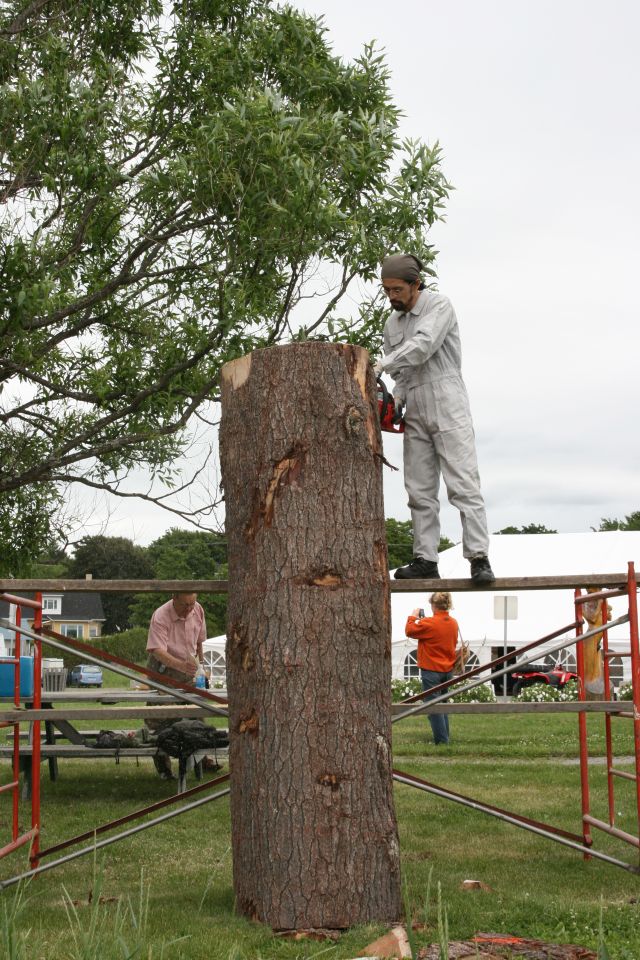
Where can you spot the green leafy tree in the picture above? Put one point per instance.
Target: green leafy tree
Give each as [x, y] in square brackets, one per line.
[400, 542]
[527, 528]
[26, 526]
[173, 175]
[53, 563]
[112, 558]
[187, 555]
[444, 544]
[630, 522]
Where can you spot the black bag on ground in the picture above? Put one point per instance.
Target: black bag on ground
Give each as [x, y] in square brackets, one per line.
[185, 737]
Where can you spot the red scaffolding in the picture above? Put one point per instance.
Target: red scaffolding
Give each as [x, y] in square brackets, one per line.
[12, 788]
[181, 691]
[633, 715]
[612, 711]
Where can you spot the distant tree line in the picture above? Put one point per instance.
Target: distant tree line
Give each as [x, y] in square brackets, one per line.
[176, 555]
[527, 528]
[630, 522]
[400, 542]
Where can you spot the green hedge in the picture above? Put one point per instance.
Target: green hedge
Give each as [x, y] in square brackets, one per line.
[625, 691]
[483, 693]
[129, 644]
[403, 689]
[545, 693]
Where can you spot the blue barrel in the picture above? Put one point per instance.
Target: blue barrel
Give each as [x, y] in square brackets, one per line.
[7, 673]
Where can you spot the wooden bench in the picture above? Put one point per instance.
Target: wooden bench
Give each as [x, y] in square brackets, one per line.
[69, 751]
[86, 734]
[73, 750]
[61, 711]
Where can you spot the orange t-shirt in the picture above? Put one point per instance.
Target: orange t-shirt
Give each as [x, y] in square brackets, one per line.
[437, 637]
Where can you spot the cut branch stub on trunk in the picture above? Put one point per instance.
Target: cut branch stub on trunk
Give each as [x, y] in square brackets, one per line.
[314, 833]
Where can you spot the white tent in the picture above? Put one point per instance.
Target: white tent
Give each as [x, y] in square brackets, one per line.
[214, 661]
[538, 612]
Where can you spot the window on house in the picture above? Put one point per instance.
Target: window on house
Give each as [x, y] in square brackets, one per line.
[93, 631]
[215, 663]
[472, 663]
[51, 604]
[73, 630]
[616, 671]
[564, 659]
[411, 670]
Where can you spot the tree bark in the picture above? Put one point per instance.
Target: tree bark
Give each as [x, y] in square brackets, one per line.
[314, 833]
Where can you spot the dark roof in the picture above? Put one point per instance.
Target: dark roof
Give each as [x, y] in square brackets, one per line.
[74, 606]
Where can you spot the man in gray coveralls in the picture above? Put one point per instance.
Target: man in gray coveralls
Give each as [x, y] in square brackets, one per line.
[422, 354]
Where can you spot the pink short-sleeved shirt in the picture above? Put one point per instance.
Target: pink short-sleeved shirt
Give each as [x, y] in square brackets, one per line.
[177, 636]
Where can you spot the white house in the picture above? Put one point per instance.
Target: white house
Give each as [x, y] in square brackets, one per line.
[539, 612]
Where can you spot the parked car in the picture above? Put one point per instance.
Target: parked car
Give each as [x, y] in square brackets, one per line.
[85, 675]
[558, 677]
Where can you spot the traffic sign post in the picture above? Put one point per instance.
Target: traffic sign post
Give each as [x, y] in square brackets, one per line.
[505, 608]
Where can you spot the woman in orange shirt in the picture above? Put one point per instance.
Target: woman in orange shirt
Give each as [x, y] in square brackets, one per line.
[437, 636]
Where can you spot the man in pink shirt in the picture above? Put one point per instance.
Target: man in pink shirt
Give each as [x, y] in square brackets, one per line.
[176, 633]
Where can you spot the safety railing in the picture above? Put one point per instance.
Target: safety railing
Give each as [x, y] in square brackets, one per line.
[182, 692]
[500, 666]
[497, 668]
[12, 787]
[633, 652]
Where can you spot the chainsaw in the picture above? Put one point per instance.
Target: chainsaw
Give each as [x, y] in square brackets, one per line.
[391, 419]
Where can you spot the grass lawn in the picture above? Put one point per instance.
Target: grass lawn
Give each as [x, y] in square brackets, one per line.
[535, 888]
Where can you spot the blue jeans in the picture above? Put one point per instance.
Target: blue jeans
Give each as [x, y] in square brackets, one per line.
[439, 721]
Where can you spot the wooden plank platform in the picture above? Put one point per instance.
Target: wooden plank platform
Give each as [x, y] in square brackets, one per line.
[87, 734]
[105, 714]
[142, 713]
[25, 735]
[76, 751]
[64, 701]
[564, 582]
[104, 695]
[622, 707]
[115, 586]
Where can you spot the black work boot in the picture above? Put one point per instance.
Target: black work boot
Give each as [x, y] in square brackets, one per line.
[418, 569]
[481, 572]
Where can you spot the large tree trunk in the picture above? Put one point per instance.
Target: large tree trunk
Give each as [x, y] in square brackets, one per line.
[314, 833]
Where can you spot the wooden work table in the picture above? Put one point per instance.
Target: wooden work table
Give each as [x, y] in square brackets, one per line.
[74, 703]
[60, 711]
[105, 695]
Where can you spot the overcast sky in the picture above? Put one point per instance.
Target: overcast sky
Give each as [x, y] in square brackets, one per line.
[536, 106]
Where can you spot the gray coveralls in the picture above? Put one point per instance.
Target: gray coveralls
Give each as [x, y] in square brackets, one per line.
[422, 354]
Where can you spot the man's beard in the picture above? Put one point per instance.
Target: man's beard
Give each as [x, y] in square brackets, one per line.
[398, 305]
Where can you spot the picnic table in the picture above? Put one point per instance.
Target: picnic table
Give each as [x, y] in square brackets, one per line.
[61, 710]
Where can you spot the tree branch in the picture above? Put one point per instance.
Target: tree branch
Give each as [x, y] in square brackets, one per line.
[19, 23]
[191, 516]
[346, 280]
